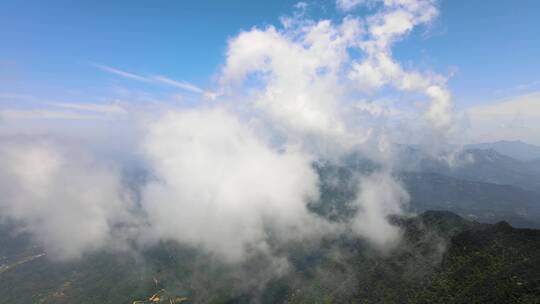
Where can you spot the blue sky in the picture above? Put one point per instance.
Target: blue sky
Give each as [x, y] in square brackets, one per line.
[52, 51]
[48, 47]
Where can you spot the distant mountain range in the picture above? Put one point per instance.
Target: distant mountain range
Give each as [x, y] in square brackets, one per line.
[488, 166]
[492, 188]
[481, 183]
[480, 201]
[515, 149]
[473, 164]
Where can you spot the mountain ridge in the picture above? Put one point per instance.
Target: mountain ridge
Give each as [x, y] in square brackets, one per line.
[513, 148]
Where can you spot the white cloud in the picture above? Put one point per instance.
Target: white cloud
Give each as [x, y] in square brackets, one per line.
[305, 80]
[298, 72]
[380, 195]
[301, 75]
[379, 68]
[66, 201]
[220, 187]
[516, 118]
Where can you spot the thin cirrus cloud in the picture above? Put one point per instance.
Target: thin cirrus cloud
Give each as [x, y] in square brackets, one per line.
[14, 114]
[158, 79]
[57, 110]
[91, 107]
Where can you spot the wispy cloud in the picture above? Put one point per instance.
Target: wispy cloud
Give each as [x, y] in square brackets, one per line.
[66, 111]
[92, 107]
[122, 73]
[347, 5]
[527, 105]
[158, 79]
[8, 97]
[516, 117]
[179, 84]
[12, 114]
[519, 88]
